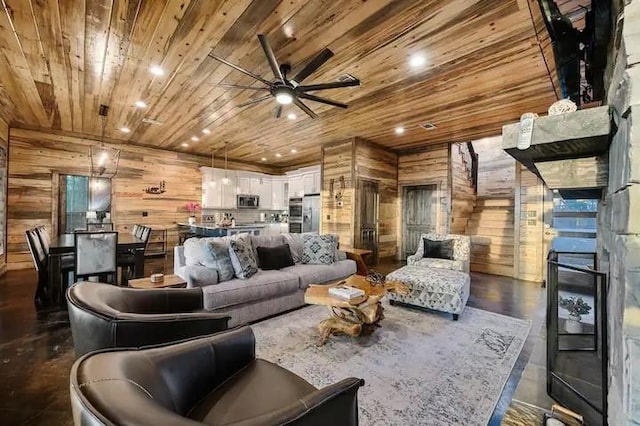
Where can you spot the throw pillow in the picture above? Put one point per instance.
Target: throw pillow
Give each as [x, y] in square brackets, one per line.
[274, 257]
[318, 249]
[296, 245]
[192, 252]
[242, 258]
[215, 255]
[438, 249]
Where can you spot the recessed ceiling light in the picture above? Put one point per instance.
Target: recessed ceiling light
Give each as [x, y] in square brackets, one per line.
[264, 159]
[125, 129]
[156, 70]
[399, 130]
[206, 131]
[195, 138]
[293, 151]
[184, 144]
[140, 104]
[417, 60]
[278, 155]
[291, 116]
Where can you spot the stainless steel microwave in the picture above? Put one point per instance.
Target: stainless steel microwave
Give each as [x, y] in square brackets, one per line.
[248, 201]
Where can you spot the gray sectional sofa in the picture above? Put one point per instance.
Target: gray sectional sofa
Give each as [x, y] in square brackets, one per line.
[266, 293]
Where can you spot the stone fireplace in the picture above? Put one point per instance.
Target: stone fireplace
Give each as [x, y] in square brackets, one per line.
[619, 221]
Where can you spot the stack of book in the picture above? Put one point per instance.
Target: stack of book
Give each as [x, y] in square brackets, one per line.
[346, 292]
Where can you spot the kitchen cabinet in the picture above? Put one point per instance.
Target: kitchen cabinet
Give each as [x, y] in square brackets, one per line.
[296, 186]
[262, 188]
[229, 191]
[279, 199]
[317, 183]
[307, 183]
[244, 185]
[211, 188]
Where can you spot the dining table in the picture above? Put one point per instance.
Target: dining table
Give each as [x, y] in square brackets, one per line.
[64, 245]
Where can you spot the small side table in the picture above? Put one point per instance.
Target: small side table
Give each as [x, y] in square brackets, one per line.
[169, 281]
[358, 255]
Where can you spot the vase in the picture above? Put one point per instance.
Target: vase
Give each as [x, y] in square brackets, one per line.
[573, 325]
[192, 220]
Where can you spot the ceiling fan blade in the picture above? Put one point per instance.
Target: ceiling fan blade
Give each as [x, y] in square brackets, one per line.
[237, 86]
[242, 70]
[323, 86]
[278, 111]
[322, 57]
[254, 101]
[305, 108]
[322, 100]
[273, 62]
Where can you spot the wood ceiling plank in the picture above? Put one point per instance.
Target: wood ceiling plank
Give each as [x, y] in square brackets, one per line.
[17, 76]
[72, 28]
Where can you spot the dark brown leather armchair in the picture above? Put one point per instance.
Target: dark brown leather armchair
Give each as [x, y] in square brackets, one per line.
[214, 380]
[105, 316]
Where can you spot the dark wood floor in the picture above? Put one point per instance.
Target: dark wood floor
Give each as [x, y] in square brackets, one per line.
[36, 347]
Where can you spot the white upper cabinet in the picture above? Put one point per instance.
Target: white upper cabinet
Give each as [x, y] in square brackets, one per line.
[279, 199]
[296, 186]
[244, 184]
[317, 182]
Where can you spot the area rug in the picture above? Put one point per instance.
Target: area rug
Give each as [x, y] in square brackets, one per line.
[419, 368]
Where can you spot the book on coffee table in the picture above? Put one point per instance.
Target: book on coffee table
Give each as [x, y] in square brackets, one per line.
[346, 292]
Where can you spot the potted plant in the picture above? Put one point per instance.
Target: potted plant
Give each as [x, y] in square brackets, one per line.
[192, 207]
[576, 307]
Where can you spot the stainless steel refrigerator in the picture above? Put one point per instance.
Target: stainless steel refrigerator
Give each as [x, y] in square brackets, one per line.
[311, 213]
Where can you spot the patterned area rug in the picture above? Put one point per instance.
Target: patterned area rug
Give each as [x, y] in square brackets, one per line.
[419, 368]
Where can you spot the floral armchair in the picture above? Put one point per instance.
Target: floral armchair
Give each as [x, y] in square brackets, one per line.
[461, 253]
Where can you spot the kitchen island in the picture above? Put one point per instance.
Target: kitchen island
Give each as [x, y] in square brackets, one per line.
[206, 229]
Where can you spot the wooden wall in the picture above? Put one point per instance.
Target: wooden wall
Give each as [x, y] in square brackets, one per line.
[530, 250]
[497, 169]
[37, 158]
[338, 161]
[463, 193]
[4, 143]
[427, 167]
[373, 162]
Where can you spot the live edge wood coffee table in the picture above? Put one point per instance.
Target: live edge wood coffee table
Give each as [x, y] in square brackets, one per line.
[351, 317]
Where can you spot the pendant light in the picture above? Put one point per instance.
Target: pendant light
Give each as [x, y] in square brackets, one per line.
[104, 160]
[225, 179]
[213, 182]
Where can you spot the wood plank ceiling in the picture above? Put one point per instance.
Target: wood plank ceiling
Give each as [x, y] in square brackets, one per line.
[61, 59]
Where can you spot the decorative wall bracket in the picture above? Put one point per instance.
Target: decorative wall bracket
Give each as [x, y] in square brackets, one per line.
[337, 195]
[155, 190]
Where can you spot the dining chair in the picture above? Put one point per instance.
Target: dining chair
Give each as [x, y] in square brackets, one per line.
[127, 259]
[140, 230]
[96, 254]
[39, 258]
[135, 229]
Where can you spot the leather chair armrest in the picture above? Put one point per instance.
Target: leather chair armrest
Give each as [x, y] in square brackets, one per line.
[137, 330]
[336, 404]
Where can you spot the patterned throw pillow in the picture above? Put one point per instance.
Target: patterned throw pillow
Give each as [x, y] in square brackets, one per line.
[215, 255]
[319, 249]
[242, 258]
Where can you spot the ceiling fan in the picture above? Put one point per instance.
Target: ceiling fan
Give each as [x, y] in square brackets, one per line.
[289, 90]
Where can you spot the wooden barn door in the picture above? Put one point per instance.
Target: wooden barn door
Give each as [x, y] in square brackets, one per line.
[419, 205]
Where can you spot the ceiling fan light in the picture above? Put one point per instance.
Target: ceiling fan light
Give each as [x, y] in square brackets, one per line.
[284, 98]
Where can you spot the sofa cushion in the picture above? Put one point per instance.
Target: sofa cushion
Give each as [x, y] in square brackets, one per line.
[320, 274]
[262, 285]
[244, 261]
[192, 252]
[296, 245]
[275, 257]
[198, 275]
[428, 262]
[265, 241]
[319, 249]
[215, 255]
